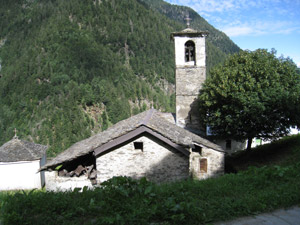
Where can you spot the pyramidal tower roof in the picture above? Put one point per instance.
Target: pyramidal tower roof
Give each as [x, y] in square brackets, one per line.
[18, 150]
[189, 31]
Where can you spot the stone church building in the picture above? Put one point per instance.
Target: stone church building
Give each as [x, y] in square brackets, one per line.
[159, 146]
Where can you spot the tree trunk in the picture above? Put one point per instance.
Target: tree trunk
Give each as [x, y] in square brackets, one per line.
[249, 144]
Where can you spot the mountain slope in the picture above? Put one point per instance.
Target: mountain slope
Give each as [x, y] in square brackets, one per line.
[218, 43]
[69, 69]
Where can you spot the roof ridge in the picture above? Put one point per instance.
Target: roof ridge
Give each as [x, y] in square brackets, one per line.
[148, 116]
[31, 152]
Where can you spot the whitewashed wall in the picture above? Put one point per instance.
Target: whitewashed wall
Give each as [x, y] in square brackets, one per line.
[180, 51]
[20, 175]
[57, 183]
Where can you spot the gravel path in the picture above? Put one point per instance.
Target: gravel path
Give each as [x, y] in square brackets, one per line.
[289, 216]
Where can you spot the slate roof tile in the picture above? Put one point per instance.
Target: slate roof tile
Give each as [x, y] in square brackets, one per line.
[18, 150]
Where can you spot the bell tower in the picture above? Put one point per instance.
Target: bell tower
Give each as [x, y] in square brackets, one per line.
[190, 62]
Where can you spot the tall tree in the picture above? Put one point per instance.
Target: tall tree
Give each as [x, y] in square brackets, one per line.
[254, 94]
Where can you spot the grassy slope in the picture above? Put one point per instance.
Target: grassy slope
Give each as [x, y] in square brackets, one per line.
[282, 153]
[273, 185]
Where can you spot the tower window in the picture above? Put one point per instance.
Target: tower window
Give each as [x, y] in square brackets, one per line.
[189, 51]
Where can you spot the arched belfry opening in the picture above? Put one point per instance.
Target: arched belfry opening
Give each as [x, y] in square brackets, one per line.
[189, 51]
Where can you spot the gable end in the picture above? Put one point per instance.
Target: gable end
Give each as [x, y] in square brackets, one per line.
[134, 134]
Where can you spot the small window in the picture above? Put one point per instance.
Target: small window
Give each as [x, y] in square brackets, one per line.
[189, 51]
[228, 144]
[197, 148]
[203, 165]
[138, 145]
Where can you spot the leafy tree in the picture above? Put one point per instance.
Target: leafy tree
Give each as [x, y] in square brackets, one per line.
[254, 94]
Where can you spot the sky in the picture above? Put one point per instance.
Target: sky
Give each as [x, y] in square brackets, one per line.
[253, 24]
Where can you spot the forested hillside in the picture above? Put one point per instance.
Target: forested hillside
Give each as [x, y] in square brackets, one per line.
[218, 44]
[71, 68]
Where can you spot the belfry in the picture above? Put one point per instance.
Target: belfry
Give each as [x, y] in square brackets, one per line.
[190, 63]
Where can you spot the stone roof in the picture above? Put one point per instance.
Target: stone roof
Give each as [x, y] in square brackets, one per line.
[170, 117]
[189, 30]
[151, 119]
[190, 33]
[18, 150]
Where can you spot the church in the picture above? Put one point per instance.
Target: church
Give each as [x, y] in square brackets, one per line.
[159, 146]
[19, 163]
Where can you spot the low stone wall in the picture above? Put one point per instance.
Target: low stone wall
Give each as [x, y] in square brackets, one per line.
[57, 183]
[156, 161]
[234, 146]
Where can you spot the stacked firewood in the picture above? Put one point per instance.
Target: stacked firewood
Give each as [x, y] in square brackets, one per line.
[88, 171]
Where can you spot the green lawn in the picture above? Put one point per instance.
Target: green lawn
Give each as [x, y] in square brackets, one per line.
[273, 183]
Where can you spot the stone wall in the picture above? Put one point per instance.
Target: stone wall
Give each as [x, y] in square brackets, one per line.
[234, 145]
[208, 163]
[188, 83]
[156, 161]
[189, 79]
[147, 157]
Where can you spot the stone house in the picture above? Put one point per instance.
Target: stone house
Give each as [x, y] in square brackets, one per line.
[144, 145]
[19, 164]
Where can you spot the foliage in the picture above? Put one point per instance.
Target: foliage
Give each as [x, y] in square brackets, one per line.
[254, 94]
[60, 59]
[122, 200]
